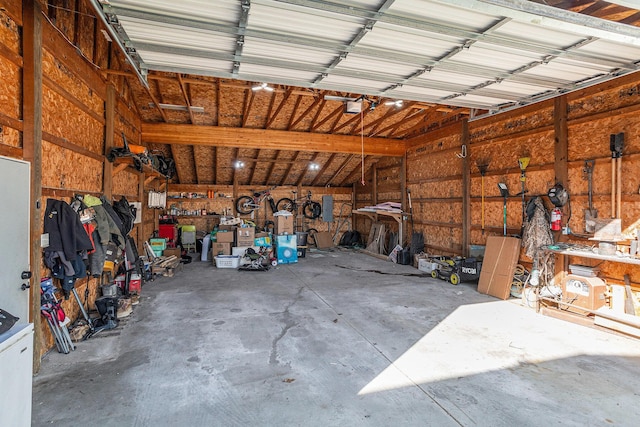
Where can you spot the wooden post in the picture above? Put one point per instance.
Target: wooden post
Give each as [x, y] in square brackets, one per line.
[32, 152]
[561, 140]
[143, 208]
[466, 192]
[560, 163]
[109, 130]
[374, 185]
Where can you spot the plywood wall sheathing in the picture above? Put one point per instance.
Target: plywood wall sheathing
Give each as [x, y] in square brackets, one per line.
[126, 184]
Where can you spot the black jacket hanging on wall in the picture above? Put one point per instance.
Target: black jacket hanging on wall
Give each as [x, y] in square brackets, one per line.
[65, 230]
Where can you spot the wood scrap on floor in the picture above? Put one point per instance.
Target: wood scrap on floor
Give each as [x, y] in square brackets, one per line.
[166, 265]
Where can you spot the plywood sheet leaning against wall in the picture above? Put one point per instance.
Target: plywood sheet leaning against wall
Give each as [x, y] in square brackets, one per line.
[434, 176]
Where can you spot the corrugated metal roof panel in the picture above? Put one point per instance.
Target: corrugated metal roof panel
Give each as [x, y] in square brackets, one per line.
[224, 11]
[373, 65]
[275, 72]
[171, 35]
[468, 46]
[437, 12]
[262, 48]
[299, 22]
[165, 61]
[534, 34]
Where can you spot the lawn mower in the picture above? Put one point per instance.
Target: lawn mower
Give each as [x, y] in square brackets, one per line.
[457, 270]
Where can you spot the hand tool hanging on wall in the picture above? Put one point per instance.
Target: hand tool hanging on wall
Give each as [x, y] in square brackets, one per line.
[523, 162]
[616, 144]
[482, 167]
[590, 213]
[504, 192]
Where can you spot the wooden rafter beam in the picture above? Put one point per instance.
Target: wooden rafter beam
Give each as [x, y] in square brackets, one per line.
[247, 106]
[366, 164]
[304, 114]
[305, 170]
[341, 168]
[426, 119]
[316, 116]
[234, 157]
[253, 168]
[195, 163]
[286, 173]
[273, 117]
[395, 129]
[181, 134]
[183, 90]
[157, 102]
[337, 111]
[321, 172]
[294, 111]
[271, 103]
[354, 121]
[272, 166]
[411, 115]
[257, 160]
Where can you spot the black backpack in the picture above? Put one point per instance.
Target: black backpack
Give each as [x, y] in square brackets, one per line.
[126, 212]
[350, 238]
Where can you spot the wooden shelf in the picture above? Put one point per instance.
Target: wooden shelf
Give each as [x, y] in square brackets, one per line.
[122, 163]
[585, 254]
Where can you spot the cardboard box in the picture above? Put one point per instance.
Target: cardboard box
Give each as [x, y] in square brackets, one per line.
[324, 240]
[283, 224]
[245, 236]
[225, 236]
[172, 251]
[218, 248]
[427, 265]
[500, 260]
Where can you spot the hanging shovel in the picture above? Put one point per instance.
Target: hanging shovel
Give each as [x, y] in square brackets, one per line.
[590, 214]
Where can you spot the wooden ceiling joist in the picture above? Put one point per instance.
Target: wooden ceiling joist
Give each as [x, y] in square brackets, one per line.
[179, 134]
[286, 173]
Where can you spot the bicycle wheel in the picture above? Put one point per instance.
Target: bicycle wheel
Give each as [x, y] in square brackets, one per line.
[244, 205]
[285, 204]
[312, 210]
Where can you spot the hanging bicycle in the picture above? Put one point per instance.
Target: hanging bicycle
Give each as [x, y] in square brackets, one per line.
[310, 208]
[247, 204]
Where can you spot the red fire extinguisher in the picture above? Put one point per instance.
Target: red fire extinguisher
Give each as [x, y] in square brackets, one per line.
[556, 219]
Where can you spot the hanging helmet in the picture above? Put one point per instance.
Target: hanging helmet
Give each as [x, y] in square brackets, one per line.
[558, 195]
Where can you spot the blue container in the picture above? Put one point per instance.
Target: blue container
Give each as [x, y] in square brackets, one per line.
[287, 249]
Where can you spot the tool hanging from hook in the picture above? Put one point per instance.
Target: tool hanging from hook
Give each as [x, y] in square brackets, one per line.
[616, 144]
[589, 214]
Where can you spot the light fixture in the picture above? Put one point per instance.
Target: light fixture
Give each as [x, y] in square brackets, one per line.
[397, 103]
[263, 86]
[314, 166]
[238, 164]
[176, 107]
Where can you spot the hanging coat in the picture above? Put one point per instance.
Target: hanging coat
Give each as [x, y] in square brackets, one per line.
[66, 233]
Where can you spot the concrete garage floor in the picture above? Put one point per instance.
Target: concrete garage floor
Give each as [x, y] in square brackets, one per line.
[338, 339]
